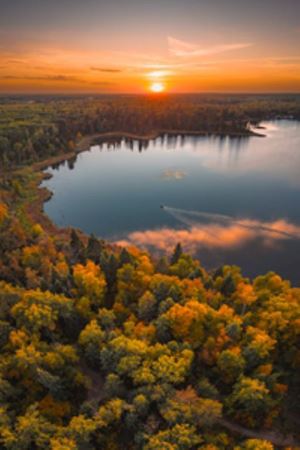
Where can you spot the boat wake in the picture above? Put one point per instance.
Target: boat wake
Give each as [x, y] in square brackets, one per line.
[192, 218]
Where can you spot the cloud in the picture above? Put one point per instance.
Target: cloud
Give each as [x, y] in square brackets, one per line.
[63, 78]
[187, 50]
[284, 60]
[41, 78]
[104, 83]
[106, 69]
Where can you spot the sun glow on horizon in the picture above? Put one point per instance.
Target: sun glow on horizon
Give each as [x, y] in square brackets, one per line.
[157, 87]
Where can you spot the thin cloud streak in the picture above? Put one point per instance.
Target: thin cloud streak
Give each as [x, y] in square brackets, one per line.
[106, 69]
[187, 50]
[41, 78]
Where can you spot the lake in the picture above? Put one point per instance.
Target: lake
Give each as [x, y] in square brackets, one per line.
[227, 200]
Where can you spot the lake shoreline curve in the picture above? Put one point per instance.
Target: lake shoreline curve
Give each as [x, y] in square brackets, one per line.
[85, 142]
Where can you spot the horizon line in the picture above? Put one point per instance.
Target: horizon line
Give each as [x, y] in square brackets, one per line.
[146, 94]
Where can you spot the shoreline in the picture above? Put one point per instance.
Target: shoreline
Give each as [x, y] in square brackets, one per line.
[36, 209]
[44, 194]
[85, 143]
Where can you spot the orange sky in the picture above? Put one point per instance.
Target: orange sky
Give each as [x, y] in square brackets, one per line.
[44, 50]
[59, 70]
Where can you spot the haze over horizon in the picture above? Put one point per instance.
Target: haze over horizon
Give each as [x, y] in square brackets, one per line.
[135, 46]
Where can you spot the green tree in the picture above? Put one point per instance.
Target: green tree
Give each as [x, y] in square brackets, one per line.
[231, 365]
[94, 249]
[91, 339]
[147, 307]
[176, 254]
[250, 399]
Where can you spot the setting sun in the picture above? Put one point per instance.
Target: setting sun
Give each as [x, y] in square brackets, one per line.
[157, 87]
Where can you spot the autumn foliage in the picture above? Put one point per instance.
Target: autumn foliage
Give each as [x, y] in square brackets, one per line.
[103, 348]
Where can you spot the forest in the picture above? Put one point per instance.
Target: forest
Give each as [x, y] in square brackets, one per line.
[110, 348]
[33, 128]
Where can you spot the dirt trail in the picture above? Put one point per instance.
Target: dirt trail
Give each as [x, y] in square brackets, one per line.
[272, 436]
[96, 382]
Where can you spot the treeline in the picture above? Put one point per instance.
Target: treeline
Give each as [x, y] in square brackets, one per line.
[109, 348]
[32, 129]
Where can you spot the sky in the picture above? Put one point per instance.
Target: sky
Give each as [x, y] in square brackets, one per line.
[130, 46]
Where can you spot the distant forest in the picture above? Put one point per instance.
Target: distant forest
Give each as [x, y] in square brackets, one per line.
[34, 128]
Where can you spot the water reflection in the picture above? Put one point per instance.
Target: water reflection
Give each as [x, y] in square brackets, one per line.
[232, 146]
[276, 155]
[254, 245]
[170, 174]
[213, 231]
[196, 218]
[172, 142]
[114, 191]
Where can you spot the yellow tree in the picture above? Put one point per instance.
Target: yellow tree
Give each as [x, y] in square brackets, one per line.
[90, 282]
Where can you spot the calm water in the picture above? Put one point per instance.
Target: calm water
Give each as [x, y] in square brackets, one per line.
[249, 187]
